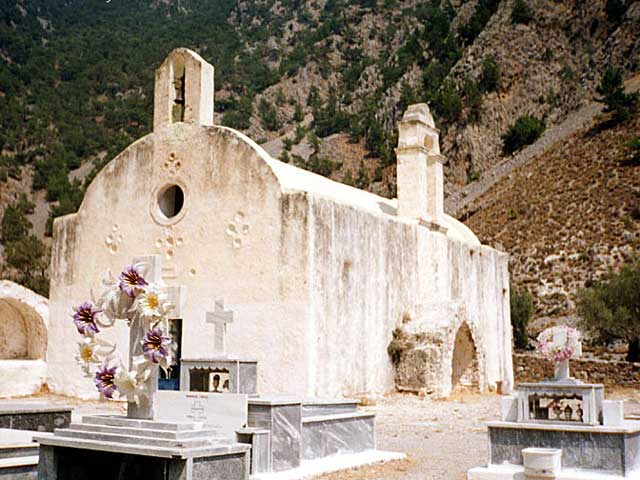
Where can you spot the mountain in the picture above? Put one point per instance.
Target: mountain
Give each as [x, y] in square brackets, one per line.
[321, 84]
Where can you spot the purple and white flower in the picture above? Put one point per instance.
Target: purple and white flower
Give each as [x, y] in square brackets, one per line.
[105, 380]
[131, 279]
[555, 351]
[84, 316]
[156, 346]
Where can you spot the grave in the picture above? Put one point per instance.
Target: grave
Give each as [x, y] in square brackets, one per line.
[561, 428]
[215, 434]
[165, 435]
[220, 372]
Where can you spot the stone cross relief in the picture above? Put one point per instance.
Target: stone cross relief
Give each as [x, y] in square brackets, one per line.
[145, 409]
[220, 318]
[561, 369]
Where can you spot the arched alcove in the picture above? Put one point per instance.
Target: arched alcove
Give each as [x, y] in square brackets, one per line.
[23, 333]
[464, 362]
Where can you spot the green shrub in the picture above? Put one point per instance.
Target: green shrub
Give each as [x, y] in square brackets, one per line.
[15, 225]
[28, 256]
[523, 132]
[610, 309]
[472, 99]
[490, 77]
[473, 176]
[633, 147]
[521, 13]
[299, 134]
[238, 114]
[298, 113]
[482, 13]
[448, 103]
[611, 90]
[269, 115]
[615, 10]
[521, 306]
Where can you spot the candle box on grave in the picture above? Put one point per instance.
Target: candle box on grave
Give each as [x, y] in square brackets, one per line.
[560, 402]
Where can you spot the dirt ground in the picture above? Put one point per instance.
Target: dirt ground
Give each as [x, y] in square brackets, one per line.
[442, 438]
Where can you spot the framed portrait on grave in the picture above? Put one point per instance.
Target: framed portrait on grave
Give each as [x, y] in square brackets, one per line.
[219, 380]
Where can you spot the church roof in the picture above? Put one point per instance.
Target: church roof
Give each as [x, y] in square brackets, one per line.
[293, 179]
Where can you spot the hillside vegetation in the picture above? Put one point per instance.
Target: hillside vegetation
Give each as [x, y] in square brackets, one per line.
[570, 216]
[320, 83]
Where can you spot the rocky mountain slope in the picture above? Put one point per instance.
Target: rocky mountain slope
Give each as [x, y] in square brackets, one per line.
[569, 216]
[321, 84]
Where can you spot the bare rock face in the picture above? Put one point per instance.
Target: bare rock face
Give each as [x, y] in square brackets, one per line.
[416, 360]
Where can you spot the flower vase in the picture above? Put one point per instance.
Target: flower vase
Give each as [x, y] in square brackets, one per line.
[561, 371]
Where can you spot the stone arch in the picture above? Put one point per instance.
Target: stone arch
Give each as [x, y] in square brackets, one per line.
[24, 320]
[465, 372]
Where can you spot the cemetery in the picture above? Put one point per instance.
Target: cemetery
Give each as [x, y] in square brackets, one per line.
[241, 308]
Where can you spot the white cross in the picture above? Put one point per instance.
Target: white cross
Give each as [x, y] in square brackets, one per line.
[220, 318]
[138, 328]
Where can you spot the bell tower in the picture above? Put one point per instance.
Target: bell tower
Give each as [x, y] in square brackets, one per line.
[183, 90]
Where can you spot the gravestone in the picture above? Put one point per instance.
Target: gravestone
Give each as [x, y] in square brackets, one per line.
[221, 372]
[224, 413]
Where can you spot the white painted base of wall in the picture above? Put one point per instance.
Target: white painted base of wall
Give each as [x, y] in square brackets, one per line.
[516, 472]
[311, 468]
[21, 377]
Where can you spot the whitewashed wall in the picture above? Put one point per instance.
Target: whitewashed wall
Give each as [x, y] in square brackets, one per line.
[317, 284]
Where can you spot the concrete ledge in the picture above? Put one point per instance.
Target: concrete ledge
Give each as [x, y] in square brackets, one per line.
[21, 377]
[148, 451]
[337, 417]
[628, 427]
[15, 462]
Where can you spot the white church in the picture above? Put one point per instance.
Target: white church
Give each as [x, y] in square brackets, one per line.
[319, 275]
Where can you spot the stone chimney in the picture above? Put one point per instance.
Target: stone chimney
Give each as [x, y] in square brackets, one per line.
[420, 181]
[183, 90]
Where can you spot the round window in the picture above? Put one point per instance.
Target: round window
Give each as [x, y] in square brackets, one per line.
[171, 200]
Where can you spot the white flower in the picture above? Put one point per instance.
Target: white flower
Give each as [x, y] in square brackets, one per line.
[128, 385]
[152, 302]
[92, 351]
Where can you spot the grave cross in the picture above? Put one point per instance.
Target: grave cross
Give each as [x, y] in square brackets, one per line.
[561, 369]
[137, 330]
[220, 318]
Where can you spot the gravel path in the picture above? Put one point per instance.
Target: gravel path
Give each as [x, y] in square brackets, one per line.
[457, 203]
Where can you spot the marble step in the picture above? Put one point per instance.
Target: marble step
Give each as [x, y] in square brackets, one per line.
[149, 450]
[318, 406]
[138, 439]
[148, 432]
[19, 450]
[19, 468]
[341, 433]
[120, 421]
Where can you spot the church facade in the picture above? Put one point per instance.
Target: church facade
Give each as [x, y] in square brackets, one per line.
[322, 277]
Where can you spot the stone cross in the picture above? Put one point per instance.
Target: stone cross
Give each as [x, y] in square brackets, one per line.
[561, 369]
[220, 318]
[145, 408]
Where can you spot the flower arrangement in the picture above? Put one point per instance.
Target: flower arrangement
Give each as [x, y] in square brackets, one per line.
[127, 297]
[549, 348]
